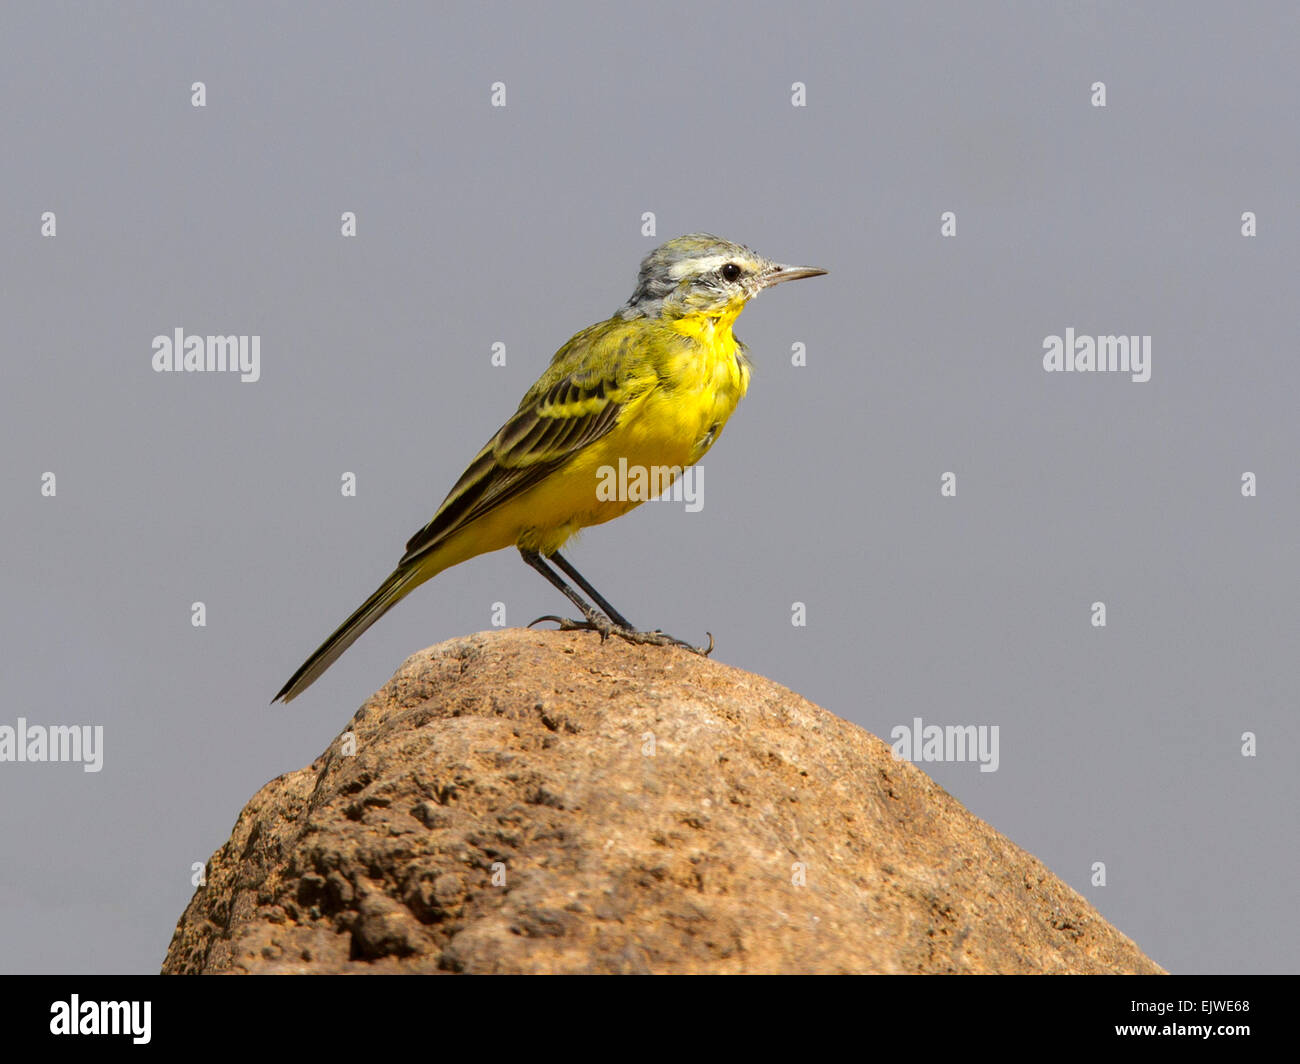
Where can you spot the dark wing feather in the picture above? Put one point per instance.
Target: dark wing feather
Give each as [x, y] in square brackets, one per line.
[544, 433]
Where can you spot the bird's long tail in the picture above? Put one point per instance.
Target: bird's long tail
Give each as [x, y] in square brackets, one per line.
[403, 580]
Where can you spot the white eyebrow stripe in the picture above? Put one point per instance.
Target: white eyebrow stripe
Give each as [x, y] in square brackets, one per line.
[678, 270]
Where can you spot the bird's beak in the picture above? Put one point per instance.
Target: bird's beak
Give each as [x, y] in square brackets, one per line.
[777, 274]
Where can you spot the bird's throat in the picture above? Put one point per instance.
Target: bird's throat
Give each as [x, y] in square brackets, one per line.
[712, 328]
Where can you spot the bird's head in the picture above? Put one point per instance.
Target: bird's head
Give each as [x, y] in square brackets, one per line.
[699, 275]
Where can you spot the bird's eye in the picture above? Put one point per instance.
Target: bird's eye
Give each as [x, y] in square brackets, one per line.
[730, 272]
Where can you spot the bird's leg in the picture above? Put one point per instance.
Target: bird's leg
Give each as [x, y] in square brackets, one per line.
[593, 619]
[578, 579]
[612, 624]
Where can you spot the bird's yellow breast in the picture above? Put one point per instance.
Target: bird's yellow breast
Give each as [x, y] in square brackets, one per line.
[696, 373]
[707, 376]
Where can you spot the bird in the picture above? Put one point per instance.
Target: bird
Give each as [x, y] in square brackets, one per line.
[653, 385]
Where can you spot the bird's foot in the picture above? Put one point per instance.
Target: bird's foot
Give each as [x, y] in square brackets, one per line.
[606, 628]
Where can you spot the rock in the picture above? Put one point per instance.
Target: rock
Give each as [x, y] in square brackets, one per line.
[525, 801]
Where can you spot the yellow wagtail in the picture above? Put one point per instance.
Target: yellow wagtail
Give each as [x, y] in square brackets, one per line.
[653, 386]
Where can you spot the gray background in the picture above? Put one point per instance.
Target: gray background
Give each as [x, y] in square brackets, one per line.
[522, 225]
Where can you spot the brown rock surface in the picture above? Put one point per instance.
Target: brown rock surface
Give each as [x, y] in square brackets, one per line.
[646, 809]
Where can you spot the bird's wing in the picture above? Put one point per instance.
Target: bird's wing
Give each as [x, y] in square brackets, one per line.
[563, 413]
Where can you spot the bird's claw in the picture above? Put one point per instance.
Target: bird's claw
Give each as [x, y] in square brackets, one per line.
[606, 628]
[567, 624]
